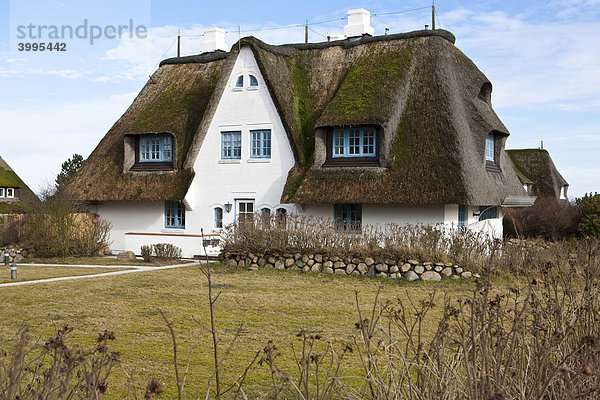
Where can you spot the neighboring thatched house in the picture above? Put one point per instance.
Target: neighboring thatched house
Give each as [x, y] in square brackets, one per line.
[396, 128]
[14, 193]
[538, 174]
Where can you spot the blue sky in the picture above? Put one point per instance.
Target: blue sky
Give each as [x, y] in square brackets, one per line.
[542, 58]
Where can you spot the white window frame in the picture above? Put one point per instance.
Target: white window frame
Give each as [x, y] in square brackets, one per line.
[1, 192]
[490, 147]
[10, 192]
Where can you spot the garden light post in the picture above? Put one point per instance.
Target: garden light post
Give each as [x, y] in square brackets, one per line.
[13, 271]
[6, 255]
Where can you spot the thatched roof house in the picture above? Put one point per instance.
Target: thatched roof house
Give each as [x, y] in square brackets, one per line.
[536, 170]
[13, 191]
[395, 128]
[430, 101]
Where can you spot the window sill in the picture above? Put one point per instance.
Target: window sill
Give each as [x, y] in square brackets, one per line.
[232, 161]
[237, 89]
[173, 230]
[352, 162]
[492, 167]
[152, 166]
[259, 160]
[252, 88]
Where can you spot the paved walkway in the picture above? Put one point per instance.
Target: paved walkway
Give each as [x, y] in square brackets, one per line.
[131, 269]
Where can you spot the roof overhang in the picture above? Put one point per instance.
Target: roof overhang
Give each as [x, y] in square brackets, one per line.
[519, 201]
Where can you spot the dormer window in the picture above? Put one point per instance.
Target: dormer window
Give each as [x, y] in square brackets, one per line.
[153, 152]
[352, 146]
[253, 81]
[489, 148]
[240, 82]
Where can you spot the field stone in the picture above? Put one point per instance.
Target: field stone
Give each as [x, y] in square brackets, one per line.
[428, 267]
[381, 267]
[231, 263]
[405, 267]
[289, 262]
[305, 259]
[466, 274]
[255, 259]
[458, 270]
[319, 258]
[328, 264]
[316, 267]
[350, 268]
[253, 267]
[269, 265]
[125, 256]
[369, 261]
[419, 269]
[411, 276]
[242, 263]
[306, 268]
[446, 271]
[280, 265]
[262, 262]
[328, 270]
[355, 261]
[454, 277]
[362, 268]
[297, 256]
[310, 262]
[340, 271]
[438, 268]
[334, 258]
[271, 260]
[338, 265]
[413, 262]
[389, 261]
[382, 274]
[394, 269]
[476, 276]
[431, 276]
[356, 272]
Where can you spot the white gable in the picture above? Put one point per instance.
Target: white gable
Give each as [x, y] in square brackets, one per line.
[220, 179]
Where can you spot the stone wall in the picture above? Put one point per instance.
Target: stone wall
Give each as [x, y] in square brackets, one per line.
[15, 255]
[411, 270]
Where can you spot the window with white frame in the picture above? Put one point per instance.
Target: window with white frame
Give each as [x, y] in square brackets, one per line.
[354, 142]
[218, 217]
[348, 217]
[231, 145]
[487, 212]
[489, 147]
[1, 192]
[155, 148]
[245, 212]
[260, 143]
[253, 81]
[10, 192]
[239, 83]
[174, 214]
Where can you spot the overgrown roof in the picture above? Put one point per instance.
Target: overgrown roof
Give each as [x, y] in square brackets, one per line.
[418, 87]
[9, 178]
[537, 166]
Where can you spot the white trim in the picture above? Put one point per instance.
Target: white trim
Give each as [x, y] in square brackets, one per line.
[10, 192]
[229, 161]
[259, 160]
[172, 230]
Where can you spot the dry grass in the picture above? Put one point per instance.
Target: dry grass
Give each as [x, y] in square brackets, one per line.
[30, 273]
[270, 305]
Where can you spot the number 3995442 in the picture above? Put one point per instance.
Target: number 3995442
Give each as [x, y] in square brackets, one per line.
[42, 46]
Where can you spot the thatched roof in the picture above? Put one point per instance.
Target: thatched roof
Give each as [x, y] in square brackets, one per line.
[537, 167]
[9, 178]
[418, 87]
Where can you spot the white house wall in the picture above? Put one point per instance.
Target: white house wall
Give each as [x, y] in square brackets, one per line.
[373, 214]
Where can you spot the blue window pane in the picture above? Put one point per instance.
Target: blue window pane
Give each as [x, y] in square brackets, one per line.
[253, 81]
[231, 145]
[489, 147]
[240, 81]
[354, 142]
[487, 212]
[174, 214]
[155, 148]
[261, 143]
[462, 217]
[218, 217]
[348, 217]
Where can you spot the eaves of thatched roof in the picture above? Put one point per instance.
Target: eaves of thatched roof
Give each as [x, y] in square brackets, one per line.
[537, 167]
[418, 87]
[9, 178]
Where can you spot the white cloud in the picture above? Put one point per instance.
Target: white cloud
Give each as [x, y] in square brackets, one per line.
[66, 74]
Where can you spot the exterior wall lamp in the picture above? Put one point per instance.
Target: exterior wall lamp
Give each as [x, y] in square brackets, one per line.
[228, 207]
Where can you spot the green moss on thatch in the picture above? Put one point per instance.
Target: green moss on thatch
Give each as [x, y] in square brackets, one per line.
[12, 208]
[295, 179]
[304, 107]
[368, 88]
[9, 179]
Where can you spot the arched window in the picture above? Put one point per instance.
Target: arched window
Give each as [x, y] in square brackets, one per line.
[240, 81]
[253, 81]
[218, 217]
[280, 215]
[265, 214]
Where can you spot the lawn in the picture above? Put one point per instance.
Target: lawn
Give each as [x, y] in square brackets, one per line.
[100, 261]
[269, 304]
[30, 273]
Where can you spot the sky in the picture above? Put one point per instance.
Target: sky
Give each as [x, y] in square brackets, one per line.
[542, 58]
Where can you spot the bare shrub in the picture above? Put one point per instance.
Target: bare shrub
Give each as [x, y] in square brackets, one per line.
[146, 252]
[55, 370]
[548, 218]
[56, 228]
[160, 251]
[11, 229]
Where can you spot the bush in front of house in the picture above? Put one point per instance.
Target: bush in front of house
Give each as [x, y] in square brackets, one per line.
[589, 207]
[548, 218]
[57, 228]
[160, 251]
